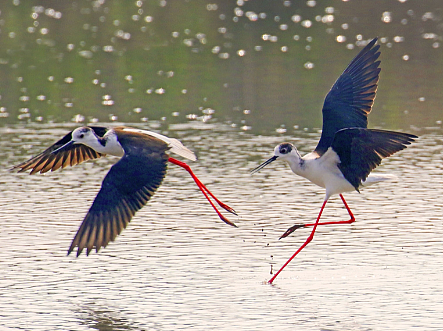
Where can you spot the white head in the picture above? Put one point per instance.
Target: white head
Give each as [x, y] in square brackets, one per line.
[284, 151]
[108, 144]
[85, 136]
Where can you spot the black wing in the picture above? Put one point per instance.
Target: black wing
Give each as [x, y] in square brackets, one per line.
[72, 155]
[350, 99]
[361, 150]
[126, 188]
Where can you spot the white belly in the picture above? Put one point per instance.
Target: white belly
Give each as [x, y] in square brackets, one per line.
[323, 172]
[330, 178]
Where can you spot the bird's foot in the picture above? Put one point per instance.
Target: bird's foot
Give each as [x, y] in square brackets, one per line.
[227, 208]
[224, 219]
[292, 229]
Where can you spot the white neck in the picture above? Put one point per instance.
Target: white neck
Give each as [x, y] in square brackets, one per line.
[111, 144]
[309, 167]
[296, 163]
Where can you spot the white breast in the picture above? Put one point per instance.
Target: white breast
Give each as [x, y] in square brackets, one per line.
[324, 172]
[112, 146]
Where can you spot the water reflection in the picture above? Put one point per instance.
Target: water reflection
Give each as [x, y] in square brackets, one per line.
[104, 318]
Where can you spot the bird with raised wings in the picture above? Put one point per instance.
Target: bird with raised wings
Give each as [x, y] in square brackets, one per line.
[347, 151]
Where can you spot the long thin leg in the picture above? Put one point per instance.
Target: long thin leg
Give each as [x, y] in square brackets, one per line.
[311, 236]
[297, 226]
[204, 189]
[200, 184]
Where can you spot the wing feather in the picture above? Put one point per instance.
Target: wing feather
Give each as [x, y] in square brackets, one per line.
[350, 99]
[361, 150]
[126, 188]
[73, 155]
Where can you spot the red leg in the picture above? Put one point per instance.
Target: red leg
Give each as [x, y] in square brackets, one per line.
[311, 236]
[204, 189]
[297, 226]
[349, 211]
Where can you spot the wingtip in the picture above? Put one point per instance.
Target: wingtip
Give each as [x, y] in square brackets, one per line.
[79, 251]
[22, 167]
[372, 42]
[70, 250]
[16, 169]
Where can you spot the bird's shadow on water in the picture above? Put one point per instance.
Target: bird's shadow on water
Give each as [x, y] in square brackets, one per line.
[103, 318]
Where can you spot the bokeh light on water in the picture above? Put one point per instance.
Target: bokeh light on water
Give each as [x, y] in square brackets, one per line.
[132, 61]
[231, 79]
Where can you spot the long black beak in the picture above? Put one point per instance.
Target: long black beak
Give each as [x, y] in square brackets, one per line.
[264, 164]
[64, 147]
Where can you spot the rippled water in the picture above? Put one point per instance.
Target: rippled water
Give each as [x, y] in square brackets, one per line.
[177, 266]
[216, 76]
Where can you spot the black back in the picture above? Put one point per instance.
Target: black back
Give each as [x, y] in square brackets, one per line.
[350, 99]
[361, 150]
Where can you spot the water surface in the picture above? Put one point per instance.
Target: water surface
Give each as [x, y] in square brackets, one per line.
[231, 86]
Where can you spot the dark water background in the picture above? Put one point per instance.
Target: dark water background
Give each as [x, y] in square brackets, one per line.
[231, 79]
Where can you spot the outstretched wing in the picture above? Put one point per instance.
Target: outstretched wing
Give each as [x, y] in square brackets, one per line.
[361, 150]
[70, 156]
[350, 99]
[126, 188]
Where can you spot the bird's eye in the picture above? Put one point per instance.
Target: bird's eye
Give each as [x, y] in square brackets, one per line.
[81, 136]
[285, 148]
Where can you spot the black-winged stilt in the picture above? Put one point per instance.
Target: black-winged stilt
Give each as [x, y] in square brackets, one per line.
[347, 151]
[128, 185]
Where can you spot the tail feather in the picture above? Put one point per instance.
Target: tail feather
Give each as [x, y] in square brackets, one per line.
[176, 146]
[377, 178]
